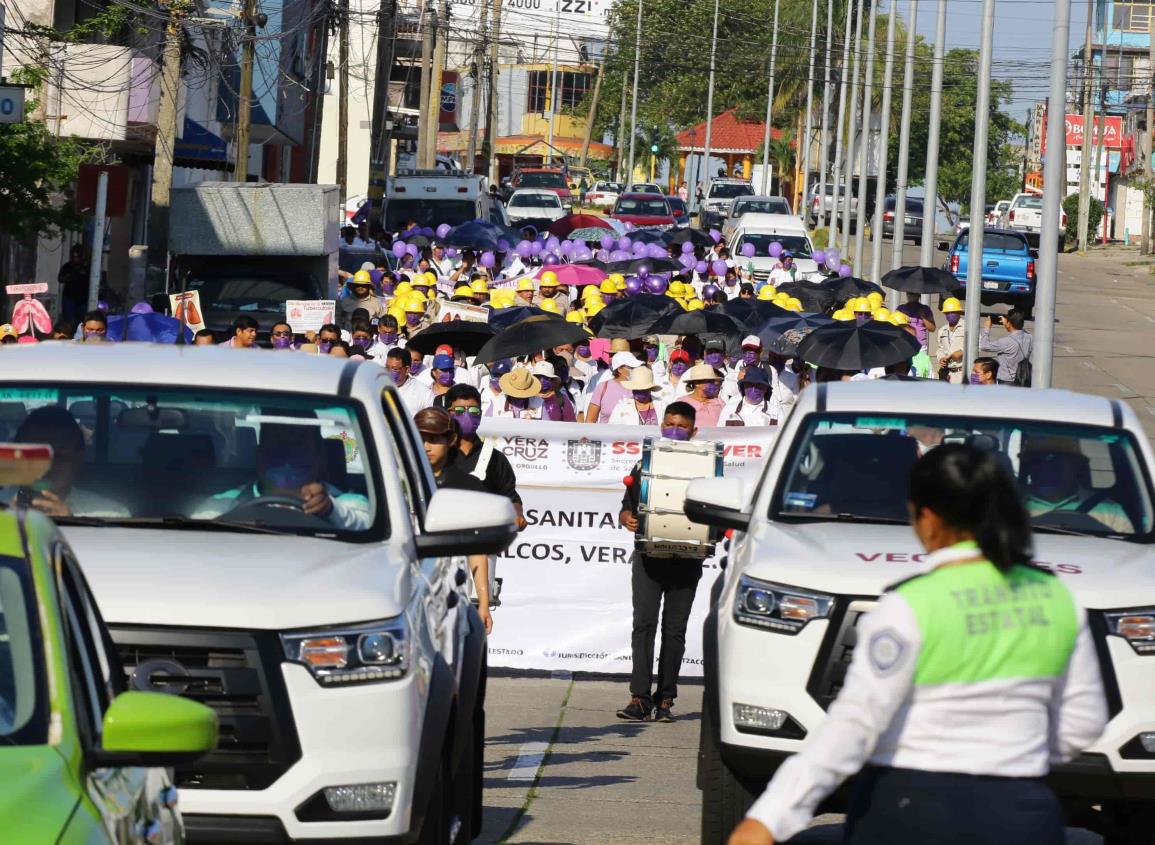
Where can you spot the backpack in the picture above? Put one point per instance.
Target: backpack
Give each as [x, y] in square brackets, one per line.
[1025, 370]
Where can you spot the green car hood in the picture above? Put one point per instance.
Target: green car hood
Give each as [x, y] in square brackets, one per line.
[38, 797]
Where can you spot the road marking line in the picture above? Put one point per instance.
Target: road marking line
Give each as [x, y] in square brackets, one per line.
[1089, 365]
[529, 758]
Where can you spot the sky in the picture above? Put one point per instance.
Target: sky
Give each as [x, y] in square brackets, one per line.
[1022, 42]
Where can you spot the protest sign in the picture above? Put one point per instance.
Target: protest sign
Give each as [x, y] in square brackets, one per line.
[308, 315]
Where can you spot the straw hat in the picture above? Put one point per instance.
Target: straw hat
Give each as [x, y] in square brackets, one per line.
[641, 378]
[520, 384]
[701, 372]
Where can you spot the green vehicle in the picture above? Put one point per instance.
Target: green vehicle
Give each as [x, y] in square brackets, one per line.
[81, 760]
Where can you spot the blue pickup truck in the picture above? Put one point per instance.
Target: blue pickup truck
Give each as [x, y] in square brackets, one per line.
[1008, 268]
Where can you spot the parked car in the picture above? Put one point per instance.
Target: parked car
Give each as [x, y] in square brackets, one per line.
[821, 208]
[337, 645]
[645, 188]
[644, 210]
[534, 203]
[83, 748]
[912, 219]
[1009, 272]
[753, 204]
[1026, 215]
[678, 208]
[604, 194]
[716, 202]
[550, 178]
[821, 534]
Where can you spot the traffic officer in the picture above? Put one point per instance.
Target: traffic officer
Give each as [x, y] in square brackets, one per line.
[968, 680]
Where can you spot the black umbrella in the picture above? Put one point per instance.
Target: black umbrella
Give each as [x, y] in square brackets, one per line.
[772, 329]
[814, 297]
[929, 280]
[466, 335]
[481, 234]
[682, 234]
[752, 313]
[853, 346]
[633, 316]
[415, 237]
[786, 344]
[503, 318]
[701, 322]
[646, 236]
[529, 336]
[845, 287]
[630, 267]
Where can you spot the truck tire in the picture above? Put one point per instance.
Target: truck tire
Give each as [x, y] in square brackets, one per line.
[1129, 823]
[435, 827]
[725, 797]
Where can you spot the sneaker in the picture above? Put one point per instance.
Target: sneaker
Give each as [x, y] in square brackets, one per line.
[663, 714]
[638, 710]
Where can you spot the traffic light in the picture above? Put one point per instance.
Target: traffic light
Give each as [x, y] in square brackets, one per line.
[653, 148]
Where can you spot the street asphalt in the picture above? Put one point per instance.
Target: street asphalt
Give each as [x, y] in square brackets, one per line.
[561, 769]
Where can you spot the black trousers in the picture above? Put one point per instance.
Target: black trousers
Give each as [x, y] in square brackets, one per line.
[674, 581]
[909, 807]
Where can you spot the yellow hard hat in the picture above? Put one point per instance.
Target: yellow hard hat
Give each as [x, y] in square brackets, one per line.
[620, 284]
[882, 315]
[397, 313]
[414, 306]
[576, 316]
[793, 304]
[362, 277]
[417, 295]
[549, 305]
[479, 286]
[432, 277]
[526, 285]
[951, 305]
[695, 304]
[421, 281]
[549, 279]
[402, 289]
[675, 289]
[842, 314]
[591, 290]
[861, 305]
[593, 308]
[462, 290]
[618, 279]
[781, 298]
[767, 292]
[875, 296]
[609, 285]
[897, 318]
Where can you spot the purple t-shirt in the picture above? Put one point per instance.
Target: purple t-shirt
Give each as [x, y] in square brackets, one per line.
[607, 395]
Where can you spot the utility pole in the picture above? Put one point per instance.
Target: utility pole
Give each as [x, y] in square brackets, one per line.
[1148, 146]
[99, 223]
[423, 100]
[770, 105]
[593, 115]
[904, 137]
[1088, 131]
[440, 42]
[491, 122]
[838, 194]
[381, 127]
[620, 132]
[824, 143]
[343, 102]
[852, 115]
[864, 149]
[930, 192]
[245, 105]
[709, 102]
[883, 150]
[553, 92]
[979, 186]
[161, 195]
[475, 92]
[806, 135]
[1054, 183]
[634, 103]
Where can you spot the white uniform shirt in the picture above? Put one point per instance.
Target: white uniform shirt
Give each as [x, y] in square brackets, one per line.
[415, 395]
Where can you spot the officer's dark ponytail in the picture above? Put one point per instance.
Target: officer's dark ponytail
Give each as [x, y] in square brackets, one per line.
[971, 491]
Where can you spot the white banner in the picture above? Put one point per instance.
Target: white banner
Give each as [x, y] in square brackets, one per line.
[308, 315]
[565, 599]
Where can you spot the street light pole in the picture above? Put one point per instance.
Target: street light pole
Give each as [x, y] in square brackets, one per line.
[710, 102]
[883, 150]
[904, 136]
[245, 97]
[825, 131]
[807, 139]
[837, 194]
[863, 151]
[770, 105]
[979, 187]
[634, 105]
[930, 192]
[852, 115]
[1054, 182]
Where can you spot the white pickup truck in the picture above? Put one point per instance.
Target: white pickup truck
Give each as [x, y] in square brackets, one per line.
[1025, 214]
[825, 530]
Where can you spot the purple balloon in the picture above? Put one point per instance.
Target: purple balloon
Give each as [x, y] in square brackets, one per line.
[832, 261]
[656, 285]
[775, 249]
[643, 271]
[718, 267]
[687, 248]
[619, 255]
[427, 231]
[583, 253]
[819, 256]
[535, 248]
[633, 285]
[657, 251]
[607, 242]
[141, 308]
[708, 292]
[630, 227]
[411, 249]
[487, 259]
[503, 245]
[552, 244]
[640, 250]
[748, 249]
[399, 249]
[844, 270]
[716, 235]
[550, 260]
[832, 256]
[443, 230]
[624, 243]
[524, 249]
[687, 261]
[603, 255]
[451, 252]
[101, 305]
[566, 247]
[701, 267]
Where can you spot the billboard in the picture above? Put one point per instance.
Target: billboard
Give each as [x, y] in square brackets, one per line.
[1108, 132]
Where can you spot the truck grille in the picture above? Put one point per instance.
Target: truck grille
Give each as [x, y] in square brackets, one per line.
[235, 673]
[837, 648]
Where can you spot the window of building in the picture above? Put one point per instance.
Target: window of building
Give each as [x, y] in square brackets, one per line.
[538, 91]
[1131, 16]
[572, 89]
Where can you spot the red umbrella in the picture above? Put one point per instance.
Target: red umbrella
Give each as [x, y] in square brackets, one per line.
[575, 275]
[561, 228]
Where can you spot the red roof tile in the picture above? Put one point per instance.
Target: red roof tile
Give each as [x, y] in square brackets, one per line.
[728, 134]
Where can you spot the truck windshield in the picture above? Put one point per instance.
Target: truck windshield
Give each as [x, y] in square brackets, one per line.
[399, 213]
[637, 205]
[23, 699]
[797, 245]
[1029, 202]
[540, 180]
[200, 457]
[729, 190]
[774, 205]
[535, 201]
[1074, 479]
[253, 292]
[996, 242]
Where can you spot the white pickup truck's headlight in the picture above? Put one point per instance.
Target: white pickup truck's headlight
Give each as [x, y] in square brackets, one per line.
[376, 651]
[1135, 626]
[761, 604]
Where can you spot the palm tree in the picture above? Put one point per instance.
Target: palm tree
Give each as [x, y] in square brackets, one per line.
[783, 154]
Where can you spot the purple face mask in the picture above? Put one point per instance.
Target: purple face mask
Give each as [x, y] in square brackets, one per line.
[412, 320]
[643, 396]
[445, 378]
[387, 338]
[975, 378]
[468, 423]
[324, 346]
[749, 356]
[582, 351]
[673, 432]
[416, 368]
[711, 389]
[714, 359]
[678, 367]
[607, 298]
[754, 395]
[953, 318]
[282, 342]
[651, 353]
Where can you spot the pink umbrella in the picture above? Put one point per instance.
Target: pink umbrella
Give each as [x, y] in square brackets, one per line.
[575, 275]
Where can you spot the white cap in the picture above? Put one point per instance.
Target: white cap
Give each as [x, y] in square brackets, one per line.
[544, 368]
[751, 340]
[624, 359]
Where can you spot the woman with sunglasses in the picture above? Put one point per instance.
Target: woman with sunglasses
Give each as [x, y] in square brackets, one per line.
[440, 436]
